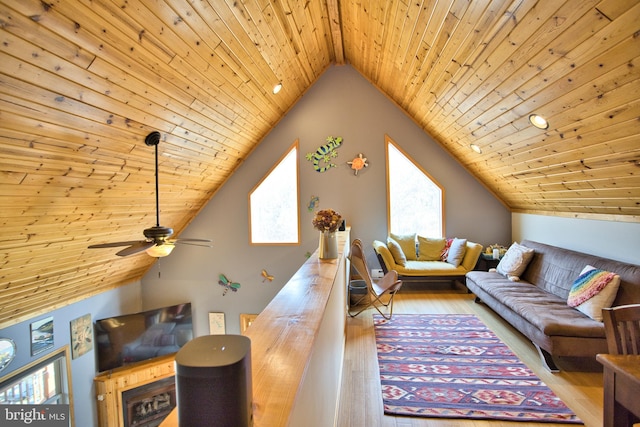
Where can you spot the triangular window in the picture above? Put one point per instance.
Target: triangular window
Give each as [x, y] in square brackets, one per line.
[415, 199]
[273, 204]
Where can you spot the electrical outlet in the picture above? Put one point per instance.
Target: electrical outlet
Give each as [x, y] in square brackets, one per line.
[376, 273]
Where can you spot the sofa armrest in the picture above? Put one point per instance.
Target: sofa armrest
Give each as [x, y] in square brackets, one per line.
[471, 255]
[384, 254]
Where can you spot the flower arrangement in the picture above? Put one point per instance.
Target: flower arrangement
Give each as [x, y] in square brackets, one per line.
[327, 220]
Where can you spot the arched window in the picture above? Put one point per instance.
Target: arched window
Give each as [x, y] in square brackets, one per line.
[415, 200]
[273, 204]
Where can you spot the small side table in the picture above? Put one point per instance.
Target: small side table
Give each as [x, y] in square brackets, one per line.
[486, 262]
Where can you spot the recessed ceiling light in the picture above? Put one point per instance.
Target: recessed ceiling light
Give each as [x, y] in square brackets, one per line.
[475, 148]
[539, 121]
[277, 88]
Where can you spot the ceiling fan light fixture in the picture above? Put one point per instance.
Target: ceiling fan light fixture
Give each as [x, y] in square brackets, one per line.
[159, 251]
[277, 88]
[476, 148]
[539, 121]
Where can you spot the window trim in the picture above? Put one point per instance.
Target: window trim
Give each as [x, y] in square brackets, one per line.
[63, 353]
[389, 141]
[293, 146]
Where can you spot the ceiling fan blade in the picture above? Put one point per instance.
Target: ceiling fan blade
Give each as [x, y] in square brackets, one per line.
[115, 244]
[135, 248]
[193, 242]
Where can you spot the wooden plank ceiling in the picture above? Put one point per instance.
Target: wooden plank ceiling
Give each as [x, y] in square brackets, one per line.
[84, 81]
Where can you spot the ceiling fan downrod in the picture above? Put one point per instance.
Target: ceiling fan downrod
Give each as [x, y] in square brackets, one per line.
[157, 233]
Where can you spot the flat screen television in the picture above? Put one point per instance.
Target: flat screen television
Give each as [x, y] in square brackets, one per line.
[122, 340]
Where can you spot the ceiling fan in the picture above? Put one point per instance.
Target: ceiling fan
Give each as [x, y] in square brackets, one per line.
[158, 242]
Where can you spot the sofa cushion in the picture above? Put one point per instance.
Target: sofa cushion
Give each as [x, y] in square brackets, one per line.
[408, 244]
[546, 312]
[593, 290]
[396, 251]
[430, 248]
[456, 251]
[515, 261]
[430, 268]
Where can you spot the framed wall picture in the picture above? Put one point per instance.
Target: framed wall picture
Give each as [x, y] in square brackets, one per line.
[81, 336]
[41, 335]
[216, 324]
[7, 352]
[246, 320]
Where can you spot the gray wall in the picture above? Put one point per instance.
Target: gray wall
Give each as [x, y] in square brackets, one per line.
[122, 300]
[341, 103]
[609, 239]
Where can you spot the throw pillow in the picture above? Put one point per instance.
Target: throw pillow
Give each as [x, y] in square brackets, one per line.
[445, 251]
[408, 244]
[430, 248]
[456, 251]
[593, 290]
[515, 261]
[396, 251]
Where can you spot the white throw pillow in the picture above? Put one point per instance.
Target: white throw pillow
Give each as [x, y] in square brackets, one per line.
[456, 251]
[593, 290]
[515, 261]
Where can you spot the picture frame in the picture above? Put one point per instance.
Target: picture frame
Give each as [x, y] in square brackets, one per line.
[217, 324]
[41, 335]
[81, 339]
[7, 352]
[246, 320]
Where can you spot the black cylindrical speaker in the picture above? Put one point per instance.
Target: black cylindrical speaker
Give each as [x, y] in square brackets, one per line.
[213, 382]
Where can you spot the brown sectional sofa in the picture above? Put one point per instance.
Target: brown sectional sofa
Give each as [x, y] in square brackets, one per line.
[537, 304]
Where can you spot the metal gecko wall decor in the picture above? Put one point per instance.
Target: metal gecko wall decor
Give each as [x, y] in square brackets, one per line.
[322, 157]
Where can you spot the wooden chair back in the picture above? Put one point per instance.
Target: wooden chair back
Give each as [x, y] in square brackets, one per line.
[622, 328]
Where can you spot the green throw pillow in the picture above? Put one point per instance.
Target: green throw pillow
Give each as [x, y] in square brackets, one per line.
[396, 251]
[408, 244]
[430, 248]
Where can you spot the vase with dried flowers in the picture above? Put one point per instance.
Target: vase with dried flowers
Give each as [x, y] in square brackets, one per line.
[327, 222]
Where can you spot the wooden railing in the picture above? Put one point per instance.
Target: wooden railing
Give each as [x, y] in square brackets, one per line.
[297, 347]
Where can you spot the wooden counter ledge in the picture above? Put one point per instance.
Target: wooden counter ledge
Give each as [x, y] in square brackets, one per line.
[297, 347]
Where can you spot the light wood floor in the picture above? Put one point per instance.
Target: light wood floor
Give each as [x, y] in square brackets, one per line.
[579, 384]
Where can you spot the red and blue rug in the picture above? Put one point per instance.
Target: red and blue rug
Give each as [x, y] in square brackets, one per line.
[453, 366]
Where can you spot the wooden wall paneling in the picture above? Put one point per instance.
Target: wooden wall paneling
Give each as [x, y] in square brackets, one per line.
[438, 68]
[612, 9]
[568, 150]
[46, 40]
[429, 47]
[335, 22]
[228, 47]
[530, 70]
[110, 386]
[495, 38]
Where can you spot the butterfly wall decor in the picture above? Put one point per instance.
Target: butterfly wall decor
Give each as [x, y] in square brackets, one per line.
[266, 276]
[227, 284]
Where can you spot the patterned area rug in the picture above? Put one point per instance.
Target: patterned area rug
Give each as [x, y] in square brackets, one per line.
[453, 366]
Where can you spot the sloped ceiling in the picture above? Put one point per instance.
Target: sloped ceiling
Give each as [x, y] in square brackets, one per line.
[84, 81]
